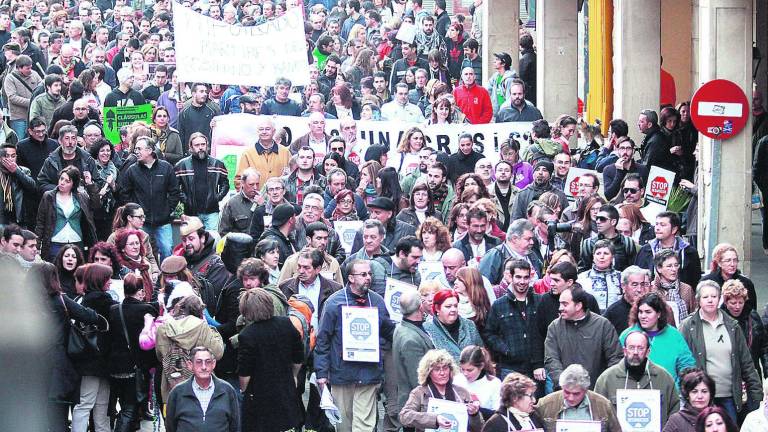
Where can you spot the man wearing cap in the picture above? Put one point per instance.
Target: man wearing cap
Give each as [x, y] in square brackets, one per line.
[283, 224]
[500, 83]
[200, 251]
[237, 213]
[516, 108]
[542, 173]
[204, 182]
[383, 210]
[18, 86]
[250, 104]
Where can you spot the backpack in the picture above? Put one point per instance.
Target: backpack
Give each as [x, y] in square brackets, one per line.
[301, 317]
[175, 370]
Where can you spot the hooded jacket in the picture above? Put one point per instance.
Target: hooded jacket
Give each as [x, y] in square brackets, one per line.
[533, 192]
[501, 87]
[541, 148]
[690, 266]
[187, 332]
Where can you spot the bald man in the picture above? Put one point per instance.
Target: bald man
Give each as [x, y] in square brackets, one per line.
[316, 138]
[453, 260]
[266, 156]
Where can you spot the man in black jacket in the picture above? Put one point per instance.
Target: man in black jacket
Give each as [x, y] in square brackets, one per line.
[67, 154]
[151, 183]
[668, 237]
[477, 242]
[283, 224]
[15, 182]
[202, 259]
[197, 116]
[204, 182]
[542, 173]
[656, 145]
[32, 153]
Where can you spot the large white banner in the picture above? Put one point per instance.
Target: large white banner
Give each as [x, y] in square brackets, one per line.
[233, 133]
[212, 51]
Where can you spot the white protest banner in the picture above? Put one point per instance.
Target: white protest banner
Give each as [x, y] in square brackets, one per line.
[639, 410]
[406, 33]
[233, 133]
[657, 192]
[360, 334]
[430, 270]
[578, 426]
[571, 188]
[392, 293]
[212, 51]
[346, 231]
[456, 412]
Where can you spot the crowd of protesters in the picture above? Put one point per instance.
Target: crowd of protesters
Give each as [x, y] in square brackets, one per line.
[216, 308]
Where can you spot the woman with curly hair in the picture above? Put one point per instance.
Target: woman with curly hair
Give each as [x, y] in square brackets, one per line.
[471, 179]
[106, 254]
[516, 412]
[421, 206]
[436, 373]
[435, 237]
[131, 216]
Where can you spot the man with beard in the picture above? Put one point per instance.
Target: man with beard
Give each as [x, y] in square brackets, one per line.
[464, 160]
[197, 116]
[637, 371]
[510, 324]
[427, 39]
[45, 104]
[203, 181]
[250, 104]
[311, 212]
[519, 245]
[317, 234]
[202, 260]
[328, 80]
[324, 47]
[477, 242]
[516, 108]
[406, 260]
[442, 190]
[427, 157]
[67, 154]
[542, 172]
[237, 213]
[504, 192]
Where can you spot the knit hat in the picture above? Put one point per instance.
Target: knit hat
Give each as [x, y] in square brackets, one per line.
[548, 165]
[282, 214]
[173, 264]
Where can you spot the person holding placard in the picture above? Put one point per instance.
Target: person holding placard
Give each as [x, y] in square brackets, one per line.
[516, 413]
[637, 372]
[575, 403]
[437, 402]
[340, 341]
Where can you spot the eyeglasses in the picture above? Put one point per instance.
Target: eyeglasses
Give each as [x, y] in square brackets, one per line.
[630, 190]
[530, 395]
[346, 201]
[139, 216]
[635, 349]
[363, 274]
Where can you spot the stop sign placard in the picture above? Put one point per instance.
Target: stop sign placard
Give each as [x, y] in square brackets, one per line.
[719, 109]
[659, 187]
[573, 188]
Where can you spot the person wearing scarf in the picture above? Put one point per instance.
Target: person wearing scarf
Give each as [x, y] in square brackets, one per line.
[435, 375]
[602, 281]
[668, 286]
[347, 213]
[168, 138]
[516, 412]
[133, 262]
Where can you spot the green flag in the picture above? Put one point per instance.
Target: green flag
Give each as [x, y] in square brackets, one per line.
[117, 117]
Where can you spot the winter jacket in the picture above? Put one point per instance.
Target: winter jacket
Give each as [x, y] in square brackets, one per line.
[172, 149]
[590, 342]
[155, 188]
[683, 420]
[527, 67]
[690, 266]
[184, 413]
[474, 102]
[415, 413]
[187, 332]
[409, 345]
[48, 178]
[756, 337]
[96, 365]
[468, 335]
[395, 230]
[551, 407]
[717, 276]
[464, 246]
[459, 164]
[291, 184]
[205, 201]
[328, 359]
[46, 219]
[260, 213]
[287, 108]
[21, 183]
[380, 265]
[655, 150]
[270, 163]
[542, 148]
[655, 378]
[624, 252]
[741, 359]
[492, 264]
[756, 421]
[284, 245]
[44, 105]
[121, 360]
[500, 88]
[509, 330]
[209, 265]
[18, 90]
[237, 214]
[197, 119]
[668, 350]
[507, 113]
[532, 192]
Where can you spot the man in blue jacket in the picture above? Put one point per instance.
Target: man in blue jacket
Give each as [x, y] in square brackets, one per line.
[354, 384]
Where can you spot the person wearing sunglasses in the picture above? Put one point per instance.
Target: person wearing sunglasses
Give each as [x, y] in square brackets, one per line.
[625, 248]
[632, 192]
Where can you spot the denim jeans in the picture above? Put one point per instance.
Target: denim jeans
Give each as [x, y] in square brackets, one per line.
[210, 220]
[20, 127]
[163, 236]
[729, 406]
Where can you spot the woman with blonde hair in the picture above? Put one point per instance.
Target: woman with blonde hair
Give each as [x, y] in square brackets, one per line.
[427, 291]
[436, 372]
[367, 189]
[734, 300]
[725, 266]
[474, 303]
[411, 143]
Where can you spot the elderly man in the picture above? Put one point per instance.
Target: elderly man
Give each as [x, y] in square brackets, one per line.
[637, 371]
[579, 337]
[266, 156]
[316, 139]
[67, 154]
[519, 245]
[383, 210]
[635, 282]
[237, 213]
[311, 212]
[576, 402]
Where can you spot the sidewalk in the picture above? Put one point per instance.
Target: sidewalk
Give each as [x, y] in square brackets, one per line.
[759, 269]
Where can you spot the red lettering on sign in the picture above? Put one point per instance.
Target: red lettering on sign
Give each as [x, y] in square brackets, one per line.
[659, 187]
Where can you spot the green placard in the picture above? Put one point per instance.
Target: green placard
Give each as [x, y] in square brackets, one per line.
[230, 162]
[117, 117]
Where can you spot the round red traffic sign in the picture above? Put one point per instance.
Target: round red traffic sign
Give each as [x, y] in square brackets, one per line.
[659, 187]
[719, 109]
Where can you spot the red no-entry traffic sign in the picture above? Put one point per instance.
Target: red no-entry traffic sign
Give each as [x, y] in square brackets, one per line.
[719, 109]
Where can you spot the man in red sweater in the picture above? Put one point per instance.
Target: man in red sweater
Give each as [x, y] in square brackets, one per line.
[473, 100]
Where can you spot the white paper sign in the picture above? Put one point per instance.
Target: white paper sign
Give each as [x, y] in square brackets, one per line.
[360, 334]
[454, 411]
[639, 410]
[392, 293]
[430, 270]
[578, 426]
[657, 192]
[571, 188]
[407, 33]
[212, 51]
[346, 231]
